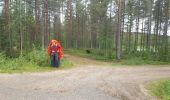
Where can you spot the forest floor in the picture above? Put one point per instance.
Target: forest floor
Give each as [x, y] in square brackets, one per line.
[90, 80]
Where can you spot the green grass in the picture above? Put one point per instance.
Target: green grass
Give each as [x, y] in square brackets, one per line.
[95, 54]
[16, 67]
[160, 89]
[127, 60]
[65, 64]
[141, 61]
[35, 61]
[26, 69]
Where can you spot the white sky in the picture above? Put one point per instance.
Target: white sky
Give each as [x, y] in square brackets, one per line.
[142, 22]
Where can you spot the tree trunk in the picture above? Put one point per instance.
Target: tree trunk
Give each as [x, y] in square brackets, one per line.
[46, 23]
[118, 34]
[7, 26]
[165, 36]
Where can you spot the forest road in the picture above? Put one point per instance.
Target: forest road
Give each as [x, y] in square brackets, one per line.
[90, 80]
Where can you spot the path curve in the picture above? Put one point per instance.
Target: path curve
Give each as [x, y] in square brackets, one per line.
[90, 80]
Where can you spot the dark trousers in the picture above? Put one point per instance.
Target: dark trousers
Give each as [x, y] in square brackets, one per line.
[55, 60]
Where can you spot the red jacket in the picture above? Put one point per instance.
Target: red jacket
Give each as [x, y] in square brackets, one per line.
[60, 53]
[54, 48]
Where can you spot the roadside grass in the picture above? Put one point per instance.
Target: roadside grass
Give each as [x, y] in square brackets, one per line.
[65, 64]
[126, 60]
[25, 69]
[141, 61]
[14, 67]
[160, 88]
[94, 54]
[34, 61]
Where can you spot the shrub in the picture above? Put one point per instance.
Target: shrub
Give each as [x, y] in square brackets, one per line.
[2, 59]
[38, 57]
[18, 63]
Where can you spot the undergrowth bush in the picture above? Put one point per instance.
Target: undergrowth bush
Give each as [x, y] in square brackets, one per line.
[2, 59]
[17, 63]
[94, 53]
[36, 60]
[127, 58]
[38, 57]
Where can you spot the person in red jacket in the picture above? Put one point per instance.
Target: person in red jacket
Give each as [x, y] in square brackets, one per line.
[55, 52]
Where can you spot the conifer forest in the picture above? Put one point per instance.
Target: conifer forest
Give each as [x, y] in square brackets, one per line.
[118, 28]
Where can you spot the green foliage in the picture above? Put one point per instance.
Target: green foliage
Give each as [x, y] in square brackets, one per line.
[19, 64]
[38, 57]
[2, 58]
[94, 26]
[65, 64]
[142, 58]
[160, 89]
[36, 60]
[94, 53]
[141, 61]
[128, 59]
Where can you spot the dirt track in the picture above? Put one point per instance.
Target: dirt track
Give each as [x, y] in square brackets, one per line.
[89, 81]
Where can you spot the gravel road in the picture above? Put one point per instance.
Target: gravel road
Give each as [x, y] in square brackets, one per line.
[90, 80]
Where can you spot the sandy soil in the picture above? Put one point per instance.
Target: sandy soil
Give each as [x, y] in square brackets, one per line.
[90, 80]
